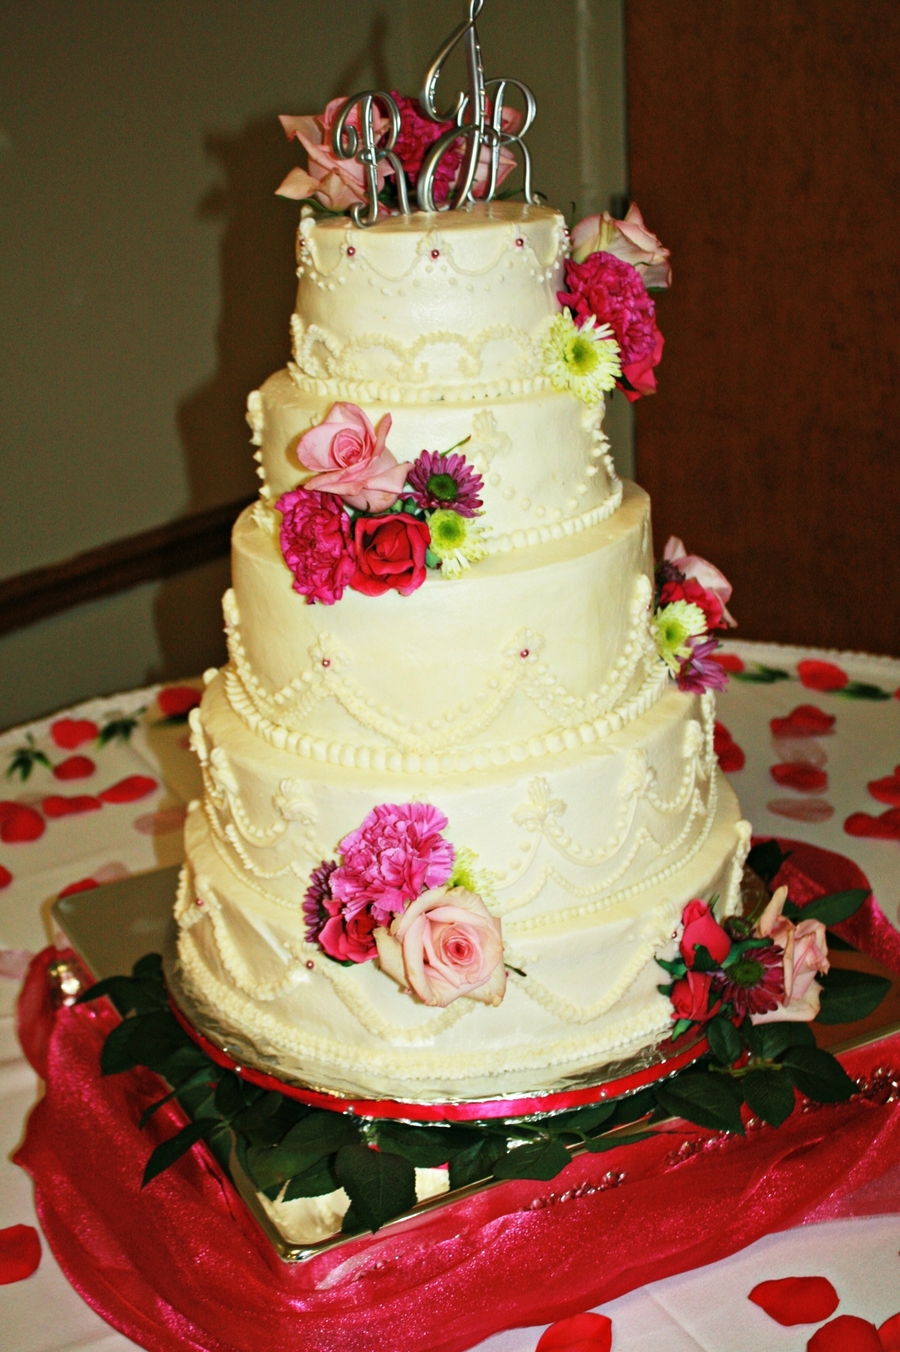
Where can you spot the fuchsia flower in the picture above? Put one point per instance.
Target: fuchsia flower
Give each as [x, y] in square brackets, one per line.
[317, 545]
[396, 854]
[700, 671]
[350, 458]
[318, 899]
[417, 134]
[611, 290]
[334, 182]
[754, 984]
[444, 945]
[342, 939]
[439, 481]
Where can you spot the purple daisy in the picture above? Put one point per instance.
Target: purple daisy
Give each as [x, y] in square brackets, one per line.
[755, 983]
[445, 481]
[318, 904]
[701, 671]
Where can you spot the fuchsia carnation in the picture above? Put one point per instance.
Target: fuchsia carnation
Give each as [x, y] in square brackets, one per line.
[396, 854]
[417, 134]
[611, 289]
[439, 481]
[316, 541]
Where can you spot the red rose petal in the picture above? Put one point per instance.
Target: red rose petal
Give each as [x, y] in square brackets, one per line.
[728, 661]
[885, 827]
[59, 806]
[74, 767]
[796, 1300]
[178, 700]
[20, 823]
[889, 1333]
[20, 1253]
[804, 721]
[803, 778]
[83, 885]
[71, 732]
[582, 1333]
[886, 790]
[729, 754]
[824, 676]
[5, 877]
[847, 1333]
[801, 809]
[128, 790]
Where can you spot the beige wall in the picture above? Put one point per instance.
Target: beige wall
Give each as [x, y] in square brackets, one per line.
[146, 266]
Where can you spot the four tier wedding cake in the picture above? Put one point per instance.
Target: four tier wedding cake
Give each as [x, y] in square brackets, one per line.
[454, 802]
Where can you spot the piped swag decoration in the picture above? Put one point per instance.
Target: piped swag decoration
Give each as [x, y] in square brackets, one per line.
[362, 520]
[403, 895]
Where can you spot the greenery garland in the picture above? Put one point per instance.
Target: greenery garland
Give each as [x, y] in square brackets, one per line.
[290, 1150]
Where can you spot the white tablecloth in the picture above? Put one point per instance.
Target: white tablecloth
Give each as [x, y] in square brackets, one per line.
[705, 1309]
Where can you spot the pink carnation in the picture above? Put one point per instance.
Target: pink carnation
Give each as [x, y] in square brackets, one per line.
[396, 854]
[317, 544]
[612, 290]
[417, 134]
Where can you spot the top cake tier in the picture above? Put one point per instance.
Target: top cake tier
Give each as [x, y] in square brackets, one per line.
[424, 305]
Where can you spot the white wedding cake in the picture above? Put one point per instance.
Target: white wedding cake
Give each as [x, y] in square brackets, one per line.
[455, 803]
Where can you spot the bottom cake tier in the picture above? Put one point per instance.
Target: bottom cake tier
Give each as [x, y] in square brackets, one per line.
[581, 1002]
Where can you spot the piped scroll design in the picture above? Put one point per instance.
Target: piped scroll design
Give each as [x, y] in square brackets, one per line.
[520, 670]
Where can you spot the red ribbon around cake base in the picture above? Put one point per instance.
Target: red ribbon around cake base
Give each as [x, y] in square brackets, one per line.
[181, 1264]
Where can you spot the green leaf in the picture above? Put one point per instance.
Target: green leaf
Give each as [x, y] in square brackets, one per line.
[476, 1163]
[677, 968]
[538, 1159]
[380, 1186]
[849, 995]
[149, 968]
[249, 1119]
[315, 1182]
[425, 1147]
[431, 559]
[817, 1074]
[725, 1041]
[703, 961]
[117, 1055]
[709, 1100]
[118, 730]
[229, 1095]
[680, 1026]
[583, 1120]
[167, 1152]
[596, 1145]
[313, 1138]
[860, 690]
[769, 1040]
[759, 675]
[766, 859]
[196, 1080]
[838, 945]
[632, 1107]
[837, 906]
[769, 1094]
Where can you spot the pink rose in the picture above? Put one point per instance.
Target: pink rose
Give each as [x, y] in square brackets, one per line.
[805, 953]
[336, 183]
[690, 997]
[701, 927]
[348, 940]
[444, 945]
[397, 853]
[699, 570]
[349, 457]
[612, 290]
[629, 240]
[317, 544]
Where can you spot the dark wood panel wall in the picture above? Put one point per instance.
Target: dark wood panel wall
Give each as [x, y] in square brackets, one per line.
[765, 152]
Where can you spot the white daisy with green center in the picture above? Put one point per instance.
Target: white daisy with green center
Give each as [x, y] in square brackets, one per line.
[584, 361]
[674, 626]
[456, 541]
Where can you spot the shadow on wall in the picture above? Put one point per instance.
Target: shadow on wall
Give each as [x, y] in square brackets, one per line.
[258, 283]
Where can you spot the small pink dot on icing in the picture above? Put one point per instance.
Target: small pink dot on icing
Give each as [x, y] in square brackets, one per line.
[326, 661]
[311, 964]
[526, 652]
[350, 251]
[199, 901]
[435, 253]
[520, 244]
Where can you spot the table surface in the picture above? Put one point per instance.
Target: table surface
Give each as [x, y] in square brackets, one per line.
[705, 1309]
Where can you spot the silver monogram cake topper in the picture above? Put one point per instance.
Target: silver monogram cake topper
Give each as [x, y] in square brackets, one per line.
[480, 120]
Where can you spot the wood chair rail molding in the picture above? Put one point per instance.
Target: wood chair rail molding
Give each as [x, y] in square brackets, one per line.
[148, 556]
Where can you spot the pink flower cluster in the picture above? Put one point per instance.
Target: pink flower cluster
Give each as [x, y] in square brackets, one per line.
[390, 898]
[611, 289]
[687, 577]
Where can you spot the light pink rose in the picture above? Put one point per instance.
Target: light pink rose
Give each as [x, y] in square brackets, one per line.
[805, 951]
[444, 945]
[629, 240]
[335, 183]
[348, 456]
[703, 572]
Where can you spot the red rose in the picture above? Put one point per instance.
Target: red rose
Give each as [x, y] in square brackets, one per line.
[690, 997]
[390, 554]
[701, 927]
[817, 675]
